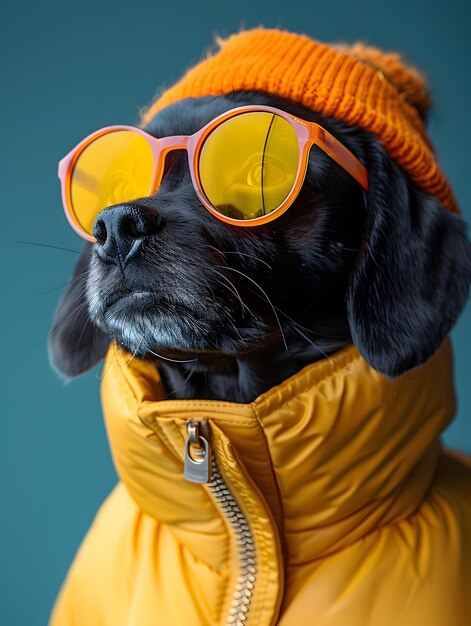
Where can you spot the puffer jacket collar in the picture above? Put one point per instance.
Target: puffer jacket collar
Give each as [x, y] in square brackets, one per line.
[331, 454]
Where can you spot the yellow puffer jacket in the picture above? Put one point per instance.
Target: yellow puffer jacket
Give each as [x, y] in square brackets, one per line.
[331, 502]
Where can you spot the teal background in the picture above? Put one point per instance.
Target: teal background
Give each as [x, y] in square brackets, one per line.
[68, 69]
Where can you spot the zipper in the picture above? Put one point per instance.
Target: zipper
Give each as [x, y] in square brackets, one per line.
[200, 466]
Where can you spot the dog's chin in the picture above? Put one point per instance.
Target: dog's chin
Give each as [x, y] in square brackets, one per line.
[148, 326]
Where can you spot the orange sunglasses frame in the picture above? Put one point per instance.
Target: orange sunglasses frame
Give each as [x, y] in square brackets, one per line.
[308, 134]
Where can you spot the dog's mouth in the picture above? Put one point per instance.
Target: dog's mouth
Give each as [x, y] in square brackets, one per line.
[180, 302]
[148, 324]
[134, 301]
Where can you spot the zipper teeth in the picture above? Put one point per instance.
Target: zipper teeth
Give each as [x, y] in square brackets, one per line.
[242, 596]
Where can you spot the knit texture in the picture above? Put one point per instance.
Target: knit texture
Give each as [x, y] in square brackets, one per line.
[357, 84]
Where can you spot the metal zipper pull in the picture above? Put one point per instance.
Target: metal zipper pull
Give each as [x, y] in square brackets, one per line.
[197, 466]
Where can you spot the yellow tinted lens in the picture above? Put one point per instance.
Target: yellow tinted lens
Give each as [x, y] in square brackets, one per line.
[248, 164]
[116, 167]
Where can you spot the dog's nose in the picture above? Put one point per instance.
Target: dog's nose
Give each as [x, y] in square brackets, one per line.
[119, 231]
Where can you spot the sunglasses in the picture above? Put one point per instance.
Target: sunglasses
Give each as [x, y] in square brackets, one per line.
[247, 166]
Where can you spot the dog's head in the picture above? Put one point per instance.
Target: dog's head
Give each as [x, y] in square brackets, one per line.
[387, 269]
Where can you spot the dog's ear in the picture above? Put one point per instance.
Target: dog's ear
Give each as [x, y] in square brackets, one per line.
[412, 276]
[76, 344]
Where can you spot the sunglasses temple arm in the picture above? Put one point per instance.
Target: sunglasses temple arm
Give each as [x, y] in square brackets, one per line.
[341, 155]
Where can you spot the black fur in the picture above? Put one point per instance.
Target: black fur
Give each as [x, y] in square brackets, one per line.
[242, 309]
[411, 280]
[75, 343]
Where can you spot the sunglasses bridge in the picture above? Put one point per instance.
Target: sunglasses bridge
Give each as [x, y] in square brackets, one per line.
[167, 145]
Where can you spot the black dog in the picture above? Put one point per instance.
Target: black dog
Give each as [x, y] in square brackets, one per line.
[229, 312]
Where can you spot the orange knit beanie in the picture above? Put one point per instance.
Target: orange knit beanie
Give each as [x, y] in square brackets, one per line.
[357, 84]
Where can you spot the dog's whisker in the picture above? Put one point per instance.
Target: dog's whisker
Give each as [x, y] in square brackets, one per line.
[65, 284]
[165, 358]
[191, 371]
[267, 299]
[105, 370]
[237, 331]
[351, 249]
[88, 322]
[246, 254]
[70, 313]
[309, 341]
[232, 288]
[78, 310]
[228, 311]
[298, 328]
[75, 290]
[309, 330]
[47, 245]
[186, 263]
[135, 351]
